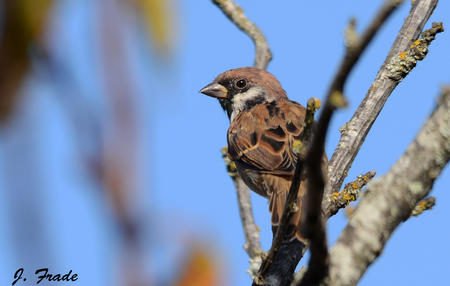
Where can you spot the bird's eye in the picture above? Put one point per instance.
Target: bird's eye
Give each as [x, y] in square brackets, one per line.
[241, 83]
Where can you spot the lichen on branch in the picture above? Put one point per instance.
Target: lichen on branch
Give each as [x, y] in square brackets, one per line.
[351, 191]
[392, 198]
[423, 205]
[400, 65]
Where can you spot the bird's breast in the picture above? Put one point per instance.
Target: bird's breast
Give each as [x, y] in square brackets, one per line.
[254, 180]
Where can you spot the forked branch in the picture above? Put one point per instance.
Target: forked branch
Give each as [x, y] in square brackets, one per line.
[354, 132]
[263, 55]
[313, 223]
[390, 199]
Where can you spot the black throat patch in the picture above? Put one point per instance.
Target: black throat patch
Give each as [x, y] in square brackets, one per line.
[260, 98]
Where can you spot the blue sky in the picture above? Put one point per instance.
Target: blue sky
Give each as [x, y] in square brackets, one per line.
[184, 188]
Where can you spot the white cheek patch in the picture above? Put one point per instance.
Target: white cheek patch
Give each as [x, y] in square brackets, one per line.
[240, 100]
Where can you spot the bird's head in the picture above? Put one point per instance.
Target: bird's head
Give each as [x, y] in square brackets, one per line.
[242, 88]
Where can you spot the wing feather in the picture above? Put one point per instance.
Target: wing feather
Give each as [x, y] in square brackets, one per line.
[262, 136]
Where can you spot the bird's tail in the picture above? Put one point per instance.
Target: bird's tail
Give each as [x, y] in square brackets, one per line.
[277, 202]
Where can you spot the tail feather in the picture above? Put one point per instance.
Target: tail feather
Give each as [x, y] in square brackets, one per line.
[276, 207]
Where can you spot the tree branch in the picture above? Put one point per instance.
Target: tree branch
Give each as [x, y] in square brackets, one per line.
[354, 132]
[390, 199]
[235, 13]
[423, 205]
[252, 243]
[357, 46]
[351, 191]
[312, 225]
[397, 65]
[312, 222]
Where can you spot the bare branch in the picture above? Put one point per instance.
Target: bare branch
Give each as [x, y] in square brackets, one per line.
[423, 205]
[251, 230]
[355, 131]
[252, 243]
[312, 222]
[399, 66]
[357, 47]
[390, 199]
[387, 82]
[351, 191]
[312, 225]
[235, 13]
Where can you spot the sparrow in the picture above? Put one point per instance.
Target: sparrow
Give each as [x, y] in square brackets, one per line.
[264, 124]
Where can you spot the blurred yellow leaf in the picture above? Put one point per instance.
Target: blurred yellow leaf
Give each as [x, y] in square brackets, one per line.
[158, 18]
[34, 15]
[200, 269]
[23, 24]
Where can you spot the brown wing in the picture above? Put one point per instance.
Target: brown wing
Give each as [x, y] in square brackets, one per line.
[262, 136]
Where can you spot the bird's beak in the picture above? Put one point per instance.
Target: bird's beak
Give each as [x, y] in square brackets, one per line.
[215, 90]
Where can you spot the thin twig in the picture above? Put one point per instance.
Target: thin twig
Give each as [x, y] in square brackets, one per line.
[351, 191]
[252, 243]
[355, 50]
[398, 67]
[355, 131]
[390, 199]
[312, 222]
[235, 13]
[423, 205]
[312, 225]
